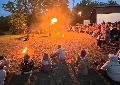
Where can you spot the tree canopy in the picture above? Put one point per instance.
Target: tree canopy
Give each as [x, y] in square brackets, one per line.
[18, 23]
[30, 9]
[4, 25]
[31, 6]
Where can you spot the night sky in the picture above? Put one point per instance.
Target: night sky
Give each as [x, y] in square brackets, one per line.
[5, 13]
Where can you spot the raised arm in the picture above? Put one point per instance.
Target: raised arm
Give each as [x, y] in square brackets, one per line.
[104, 67]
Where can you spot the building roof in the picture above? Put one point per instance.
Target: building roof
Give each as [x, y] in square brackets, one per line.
[107, 9]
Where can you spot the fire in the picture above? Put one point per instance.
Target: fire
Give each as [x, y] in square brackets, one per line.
[24, 50]
[53, 20]
[63, 35]
[58, 33]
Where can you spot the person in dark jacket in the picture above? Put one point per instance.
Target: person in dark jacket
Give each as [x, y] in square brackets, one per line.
[46, 63]
[27, 64]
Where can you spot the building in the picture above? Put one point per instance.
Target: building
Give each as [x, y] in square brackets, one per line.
[106, 14]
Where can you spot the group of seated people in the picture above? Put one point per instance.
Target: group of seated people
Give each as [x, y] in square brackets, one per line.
[46, 65]
[111, 67]
[105, 33]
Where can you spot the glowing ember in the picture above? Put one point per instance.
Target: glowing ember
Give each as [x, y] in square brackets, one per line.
[24, 50]
[63, 35]
[58, 33]
[53, 20]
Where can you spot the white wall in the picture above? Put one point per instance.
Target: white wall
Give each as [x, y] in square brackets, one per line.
[86, 22]
[112, 17]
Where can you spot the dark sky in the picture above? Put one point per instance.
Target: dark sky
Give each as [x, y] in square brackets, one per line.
[4, 13]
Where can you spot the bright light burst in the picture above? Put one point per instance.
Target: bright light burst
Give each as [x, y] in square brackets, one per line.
[54, 20]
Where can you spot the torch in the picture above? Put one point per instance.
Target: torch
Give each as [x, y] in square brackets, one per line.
[24, 50]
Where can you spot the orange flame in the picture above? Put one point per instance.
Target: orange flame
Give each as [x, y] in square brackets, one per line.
[24, 50]
[63, 35]
[58, 33]
[53, 20]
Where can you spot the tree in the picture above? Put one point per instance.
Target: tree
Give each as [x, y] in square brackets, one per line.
[10, 6]
[29, 12]
[85, 2]
[18, 22]
[21, 6]
[4, 25]
[31, 6]
[73, 2]
[112, 3]
[85, 7]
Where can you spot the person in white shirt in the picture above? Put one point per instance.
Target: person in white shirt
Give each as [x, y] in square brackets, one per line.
[4, 64]
[83, 63]
[60, 52]
[112, 68]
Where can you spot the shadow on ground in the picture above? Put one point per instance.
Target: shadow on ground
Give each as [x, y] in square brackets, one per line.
[61, 75]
